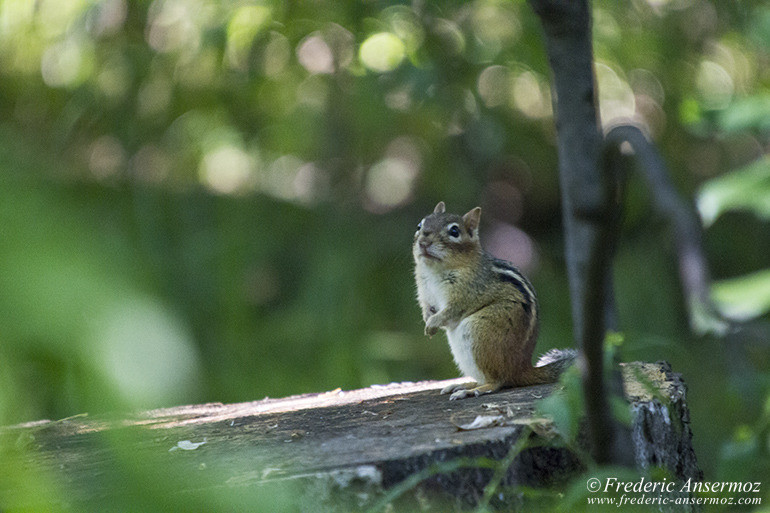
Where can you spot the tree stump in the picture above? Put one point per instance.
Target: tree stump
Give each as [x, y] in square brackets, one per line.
[331, 451]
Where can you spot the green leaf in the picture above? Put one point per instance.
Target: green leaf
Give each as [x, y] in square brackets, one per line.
[744, 297]
[746, 189]
[565, 406]
[750, 113]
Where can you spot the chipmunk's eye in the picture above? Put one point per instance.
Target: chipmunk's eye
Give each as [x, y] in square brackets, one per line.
[454, 231]
[419, 226]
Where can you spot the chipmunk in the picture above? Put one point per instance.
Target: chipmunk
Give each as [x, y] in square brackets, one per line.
[486, 306]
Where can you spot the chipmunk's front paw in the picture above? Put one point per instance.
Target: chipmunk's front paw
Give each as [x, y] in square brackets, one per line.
[432, 325]
[431, 330]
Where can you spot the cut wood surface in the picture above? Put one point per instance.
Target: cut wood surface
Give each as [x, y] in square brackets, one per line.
[369, 440]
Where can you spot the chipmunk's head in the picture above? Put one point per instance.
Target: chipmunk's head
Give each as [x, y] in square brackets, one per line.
[443, 238]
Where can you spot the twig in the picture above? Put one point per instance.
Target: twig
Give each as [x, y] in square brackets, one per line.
[693, 268]
[610, 441]
[501, 470]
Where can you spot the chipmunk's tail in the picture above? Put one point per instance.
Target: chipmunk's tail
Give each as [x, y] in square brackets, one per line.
[551, 365]
[558, 357]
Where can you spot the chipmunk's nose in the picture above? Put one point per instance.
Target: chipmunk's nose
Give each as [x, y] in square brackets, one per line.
[424, 245]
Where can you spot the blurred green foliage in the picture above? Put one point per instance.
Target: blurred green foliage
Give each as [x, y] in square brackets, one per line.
[214, 201]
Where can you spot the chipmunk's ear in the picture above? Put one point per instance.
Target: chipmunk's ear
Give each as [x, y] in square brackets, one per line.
[440, 208]
[471, 220]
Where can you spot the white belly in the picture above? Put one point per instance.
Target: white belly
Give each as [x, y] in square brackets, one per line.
[429, 290]
[461, 346]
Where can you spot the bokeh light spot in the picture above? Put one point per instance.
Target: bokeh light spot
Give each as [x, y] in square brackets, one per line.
[531, 96]
[66, 63]
[315, 55]
[714, 85]
[505, 241]
[245, 24]
[227, 169]
[493, 85]
[382, 52]
[146, 352]
[107, 157]
[390, 182]
[616, 99]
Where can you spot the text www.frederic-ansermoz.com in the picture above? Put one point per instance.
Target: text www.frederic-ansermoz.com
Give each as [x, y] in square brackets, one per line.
[611, 491]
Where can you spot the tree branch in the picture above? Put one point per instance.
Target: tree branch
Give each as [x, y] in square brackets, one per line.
[693, 268]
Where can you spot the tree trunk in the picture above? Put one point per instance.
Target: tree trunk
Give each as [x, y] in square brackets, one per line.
[336, 451]
[589, 212]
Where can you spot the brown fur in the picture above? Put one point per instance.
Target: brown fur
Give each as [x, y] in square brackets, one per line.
[502, 316]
